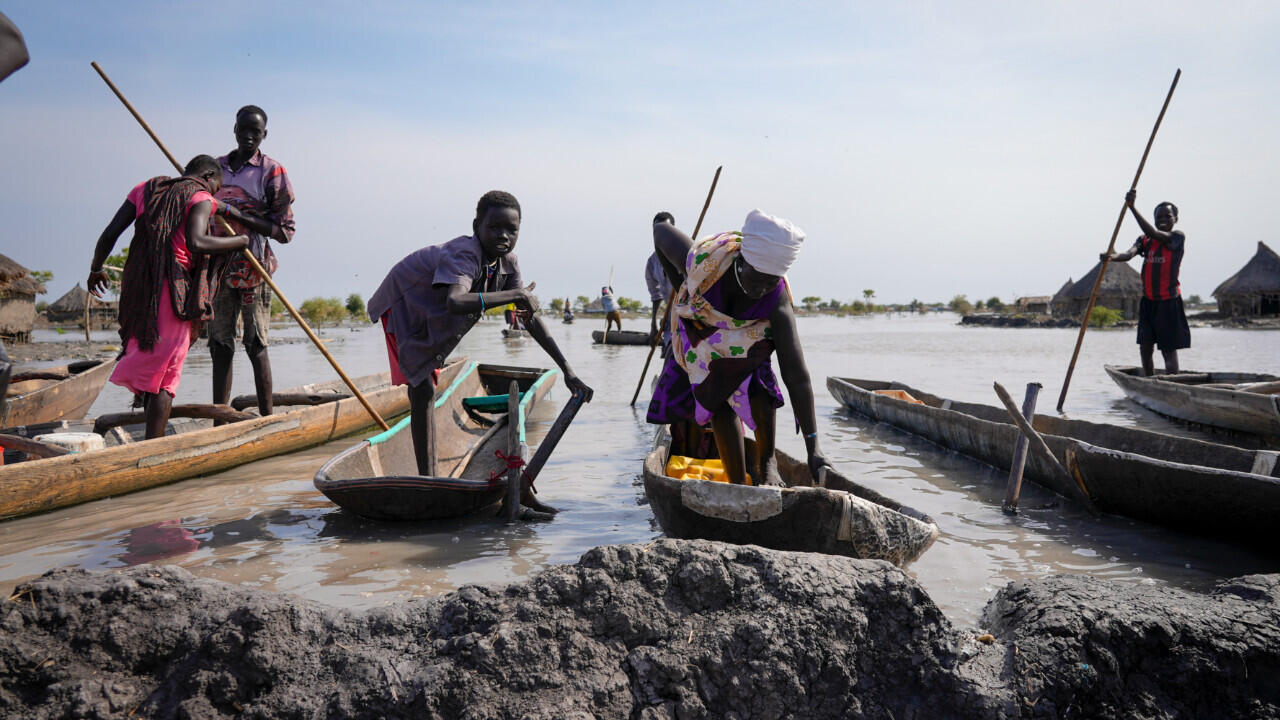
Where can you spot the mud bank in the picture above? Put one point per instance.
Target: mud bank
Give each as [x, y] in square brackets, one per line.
[667, 630]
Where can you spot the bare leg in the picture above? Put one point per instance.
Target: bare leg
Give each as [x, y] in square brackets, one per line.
[765, 417]
[156, 408]
[261, 378]
[222, 357]
[1170, 360]
[421, 402]
[1148, 350]
[729, 442]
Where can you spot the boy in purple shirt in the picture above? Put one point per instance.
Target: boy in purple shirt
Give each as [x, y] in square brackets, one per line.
[432, 297]
[259, 187]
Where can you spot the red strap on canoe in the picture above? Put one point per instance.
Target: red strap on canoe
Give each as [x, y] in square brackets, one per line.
[513, 462]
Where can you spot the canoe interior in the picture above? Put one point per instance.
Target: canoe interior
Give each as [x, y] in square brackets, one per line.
[1199, 378]
[799, 517]
[620, 337]
[1244, 406]
[49, 399]
[378, 478]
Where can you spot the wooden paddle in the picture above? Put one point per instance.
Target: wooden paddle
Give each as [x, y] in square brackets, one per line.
[1102, 269]
[257, 266]
[672, 298]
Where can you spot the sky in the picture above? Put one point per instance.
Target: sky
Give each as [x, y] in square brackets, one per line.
[927, 149]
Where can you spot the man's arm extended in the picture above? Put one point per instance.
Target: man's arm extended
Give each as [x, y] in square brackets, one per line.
[538, 331]
[98, 280]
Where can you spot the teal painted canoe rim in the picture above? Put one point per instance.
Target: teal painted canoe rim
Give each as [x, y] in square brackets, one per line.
[526, 398]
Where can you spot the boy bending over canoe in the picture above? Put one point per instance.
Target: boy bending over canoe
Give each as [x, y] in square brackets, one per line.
[169, 280]
[432, 297]
[731, 314]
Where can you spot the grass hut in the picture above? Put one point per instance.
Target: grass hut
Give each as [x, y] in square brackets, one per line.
[70, 309]
[1121, 290]
[1058, 304]
[18, 292]
[1255, 289]
[1033, 304]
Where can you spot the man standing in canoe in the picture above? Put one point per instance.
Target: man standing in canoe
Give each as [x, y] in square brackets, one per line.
[1162, 320]
[169, 281]
[258, 186]
[731, 313]
[432, 297]
[610, 307]
[655, 278]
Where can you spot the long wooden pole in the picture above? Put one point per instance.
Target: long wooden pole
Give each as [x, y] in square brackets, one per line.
[1037, 443]
[671, 300]
[257, 266]
[1102, 269]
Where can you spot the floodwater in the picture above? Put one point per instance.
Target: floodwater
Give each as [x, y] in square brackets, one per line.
[264, 525]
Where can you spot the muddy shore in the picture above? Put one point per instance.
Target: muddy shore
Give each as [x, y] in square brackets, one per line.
[672, 629]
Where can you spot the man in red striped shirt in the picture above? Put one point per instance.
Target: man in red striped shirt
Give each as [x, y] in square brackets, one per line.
[1161, 318]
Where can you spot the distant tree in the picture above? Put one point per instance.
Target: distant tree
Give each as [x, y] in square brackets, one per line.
[979, 306]
[583, 301]
[44, 277]
[557, 305]
[355, 307]
[277, 307]
[994, 304]
[628, 305]
[1195, 300]
[960, 304]
[834, 304]
[319, 311]
[868, 294]
[810, 301]
[1104, 316]
[41, 307]
[916, 305]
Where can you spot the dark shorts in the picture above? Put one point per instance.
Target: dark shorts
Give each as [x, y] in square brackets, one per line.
[1163, 323]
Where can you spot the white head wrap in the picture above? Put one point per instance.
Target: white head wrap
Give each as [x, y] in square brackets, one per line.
[770, 244]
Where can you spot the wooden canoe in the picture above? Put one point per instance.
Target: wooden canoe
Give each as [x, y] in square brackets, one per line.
[1123, 470]
[57, 393]
[514, 333]
[842, 518]
[620, 337]
[40, 485]
[1213, 399]
[378, 478]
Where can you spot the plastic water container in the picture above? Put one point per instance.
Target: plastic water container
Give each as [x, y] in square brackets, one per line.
[687, 468]
[73, 442]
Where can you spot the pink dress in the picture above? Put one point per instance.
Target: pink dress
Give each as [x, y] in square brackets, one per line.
[161, 367]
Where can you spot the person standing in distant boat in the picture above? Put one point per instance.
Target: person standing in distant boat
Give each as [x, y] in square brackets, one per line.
[259, 187]
[434, 296]
[610, 307]
[658, 279]
[731, 314]
[568, 311]
[1162, 320]
[168, 283]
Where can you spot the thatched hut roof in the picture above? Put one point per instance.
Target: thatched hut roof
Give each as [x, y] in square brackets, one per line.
[72, 301]
[17, 280]
[1260, 275]
[1119, 280]
[1062, 291]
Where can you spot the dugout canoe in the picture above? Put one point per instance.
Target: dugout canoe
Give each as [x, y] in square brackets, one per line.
[1241, 402]
[378, 478]
[620, 337]
[65, 392]
[40, 485]
[514, 333]
[842, 518]
[1217, 490]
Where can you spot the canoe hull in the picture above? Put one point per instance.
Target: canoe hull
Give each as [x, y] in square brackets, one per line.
[977, 431]
[1239, 411]
[620, 337]
[378, 479]
[42, 485]
[797, 518]
[68, 399]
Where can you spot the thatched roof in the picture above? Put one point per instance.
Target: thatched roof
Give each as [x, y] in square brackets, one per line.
[72, 301]
[16, 279]
[1260, 275]
[1119, 280]
[1062, 291]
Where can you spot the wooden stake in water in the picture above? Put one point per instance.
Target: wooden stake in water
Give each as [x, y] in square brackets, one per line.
[513, 451]
[1014, 487]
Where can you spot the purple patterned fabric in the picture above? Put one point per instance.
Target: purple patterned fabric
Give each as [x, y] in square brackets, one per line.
[673, 398]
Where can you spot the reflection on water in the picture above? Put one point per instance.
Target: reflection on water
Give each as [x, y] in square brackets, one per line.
[264, 525]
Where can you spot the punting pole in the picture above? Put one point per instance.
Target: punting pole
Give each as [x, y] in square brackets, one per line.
[514, 470]
[653, 344]
[257, 266]
[1102, 269]
[1014, 487]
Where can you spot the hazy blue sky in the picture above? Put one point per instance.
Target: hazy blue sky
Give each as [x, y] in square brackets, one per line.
[927, 149]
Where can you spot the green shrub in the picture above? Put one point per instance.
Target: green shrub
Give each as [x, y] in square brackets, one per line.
[1104, 316]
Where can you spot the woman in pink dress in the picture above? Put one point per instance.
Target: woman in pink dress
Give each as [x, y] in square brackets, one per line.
[168, 280]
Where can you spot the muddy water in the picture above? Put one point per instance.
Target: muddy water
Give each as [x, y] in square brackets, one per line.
[264, 524]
